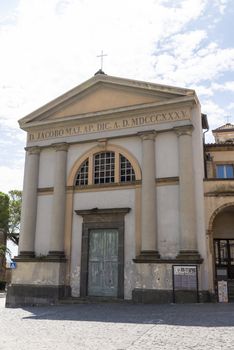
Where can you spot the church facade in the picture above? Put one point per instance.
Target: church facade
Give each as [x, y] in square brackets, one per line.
[113, 195]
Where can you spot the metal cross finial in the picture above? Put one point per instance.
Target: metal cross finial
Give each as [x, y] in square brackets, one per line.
[228, 117]
[102, 55]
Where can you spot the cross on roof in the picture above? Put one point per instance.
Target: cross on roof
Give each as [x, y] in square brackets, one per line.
[101, 56]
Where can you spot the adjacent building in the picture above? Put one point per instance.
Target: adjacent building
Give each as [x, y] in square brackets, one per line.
[219, 206]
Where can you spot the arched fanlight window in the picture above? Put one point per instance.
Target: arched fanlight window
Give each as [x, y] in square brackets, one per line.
[105, 168]
[127, 173]
[83, 173]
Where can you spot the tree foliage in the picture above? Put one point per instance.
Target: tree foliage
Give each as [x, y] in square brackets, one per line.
[3, 251]
[10, 211]
[15, 200]
[4, 212]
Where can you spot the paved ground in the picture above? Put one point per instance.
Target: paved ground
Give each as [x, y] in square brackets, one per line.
[117, 327]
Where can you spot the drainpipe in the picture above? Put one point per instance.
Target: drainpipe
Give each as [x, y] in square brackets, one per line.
[205, 125]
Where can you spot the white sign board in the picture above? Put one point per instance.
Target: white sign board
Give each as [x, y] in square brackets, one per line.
[222, 291]
[185, 277]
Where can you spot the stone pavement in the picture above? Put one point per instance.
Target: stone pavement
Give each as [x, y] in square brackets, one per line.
[123, 326]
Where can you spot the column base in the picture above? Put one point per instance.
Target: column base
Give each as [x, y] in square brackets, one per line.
[26, 254]
[148, 256]
[56, 254]
[189, 256]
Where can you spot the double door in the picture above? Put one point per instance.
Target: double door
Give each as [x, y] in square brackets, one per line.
[103, 263]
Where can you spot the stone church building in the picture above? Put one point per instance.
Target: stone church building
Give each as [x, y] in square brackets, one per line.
[113, 195]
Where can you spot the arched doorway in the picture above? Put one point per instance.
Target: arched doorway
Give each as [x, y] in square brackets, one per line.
[223, 242]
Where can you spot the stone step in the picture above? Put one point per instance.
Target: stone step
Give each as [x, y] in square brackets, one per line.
[90, 300]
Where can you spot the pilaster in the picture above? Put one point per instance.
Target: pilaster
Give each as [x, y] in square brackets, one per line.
[187, 207]
[148, 198]
[29, 202]
[59, 202]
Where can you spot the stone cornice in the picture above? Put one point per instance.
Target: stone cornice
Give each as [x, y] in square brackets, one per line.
[216, 147]
[219, 194]
[162, 181]
[176, 103]
[107, 211]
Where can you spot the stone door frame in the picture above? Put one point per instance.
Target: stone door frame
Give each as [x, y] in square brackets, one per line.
[102, 219]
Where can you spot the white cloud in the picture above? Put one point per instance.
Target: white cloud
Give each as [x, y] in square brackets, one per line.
[196, 66]
[221, 5]
[216, 117]
[215, 112]
[230, 106]
[226, 86]
[11, 178]
[51, 46]
[54, 44]
[204, 91]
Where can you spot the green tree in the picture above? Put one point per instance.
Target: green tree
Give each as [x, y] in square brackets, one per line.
[4, 212]
[3, 252]
[4, 220]
[10, 211]
[15, 200]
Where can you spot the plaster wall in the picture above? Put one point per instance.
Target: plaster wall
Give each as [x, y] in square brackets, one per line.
[43, 224]
[166, 150]
[131, 144]
[76, 151]
[168, 220]
[154, 276]
[105, 97]
[46, 168]
[101, 200]
[222, 156]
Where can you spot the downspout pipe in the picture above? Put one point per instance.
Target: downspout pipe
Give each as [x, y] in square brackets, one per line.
[205, 125]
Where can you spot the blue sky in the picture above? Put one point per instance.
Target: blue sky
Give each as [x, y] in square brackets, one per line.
[50, 46]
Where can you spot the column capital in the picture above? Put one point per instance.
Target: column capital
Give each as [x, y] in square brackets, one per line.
[33, 150]
[60, 146]
[147, 135]
[184, 130]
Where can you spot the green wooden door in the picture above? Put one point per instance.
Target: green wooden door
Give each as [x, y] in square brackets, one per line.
[103, 263]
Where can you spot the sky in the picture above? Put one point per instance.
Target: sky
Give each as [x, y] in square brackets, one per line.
[50, 46]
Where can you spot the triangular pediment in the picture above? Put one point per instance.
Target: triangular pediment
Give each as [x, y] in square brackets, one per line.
[103, 93]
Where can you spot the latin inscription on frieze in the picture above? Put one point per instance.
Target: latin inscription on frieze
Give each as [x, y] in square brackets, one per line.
[108, 125]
